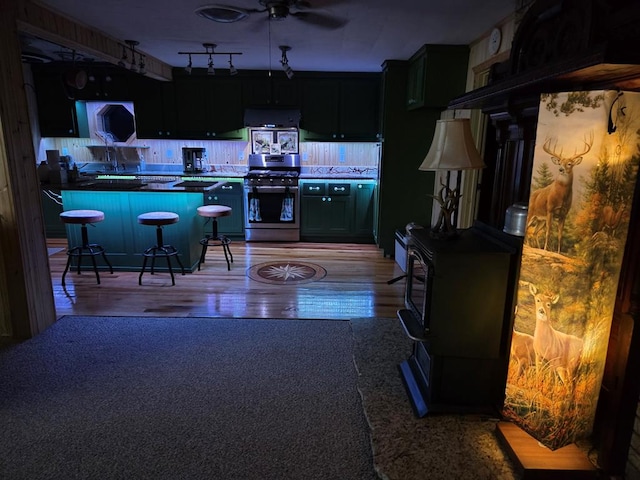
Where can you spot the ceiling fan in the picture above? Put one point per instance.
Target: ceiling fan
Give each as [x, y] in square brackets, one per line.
[276, 10]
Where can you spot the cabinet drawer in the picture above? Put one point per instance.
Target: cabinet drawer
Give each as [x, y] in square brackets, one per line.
[314, 189]
[339, 189]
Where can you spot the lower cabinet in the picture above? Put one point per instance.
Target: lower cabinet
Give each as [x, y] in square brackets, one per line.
[51, 210]
[230, 194]
[333, 210]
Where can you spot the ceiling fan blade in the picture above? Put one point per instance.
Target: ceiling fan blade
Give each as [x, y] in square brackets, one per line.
[320, 19]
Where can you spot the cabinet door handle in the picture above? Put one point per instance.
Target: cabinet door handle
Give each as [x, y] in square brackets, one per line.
[312, 189]
[329, 199]
[226, 187]
[338, 189]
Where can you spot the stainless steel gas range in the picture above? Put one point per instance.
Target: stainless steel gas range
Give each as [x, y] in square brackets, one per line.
[272, 200]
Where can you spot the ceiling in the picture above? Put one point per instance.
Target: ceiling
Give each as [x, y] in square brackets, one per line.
[373, 30]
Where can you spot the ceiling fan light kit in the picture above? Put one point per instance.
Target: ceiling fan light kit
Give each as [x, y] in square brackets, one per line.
[222, 13]
[275, 9]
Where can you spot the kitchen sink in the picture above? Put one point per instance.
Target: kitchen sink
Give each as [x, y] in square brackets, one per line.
[112, 184]
[195, 184]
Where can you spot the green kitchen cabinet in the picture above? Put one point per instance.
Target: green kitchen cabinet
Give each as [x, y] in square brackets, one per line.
[363, 202]
[155, 109]
[341, 108]
[334, 210]
[436, 74]
[209, 108]
[51, 210]
[231, 194]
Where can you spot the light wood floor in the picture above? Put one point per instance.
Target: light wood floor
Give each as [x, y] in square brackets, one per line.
[355, 286]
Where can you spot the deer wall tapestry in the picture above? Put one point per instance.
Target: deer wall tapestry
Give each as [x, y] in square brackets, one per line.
[584, 173]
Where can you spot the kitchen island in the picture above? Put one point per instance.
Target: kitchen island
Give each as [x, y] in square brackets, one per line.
[122, 199]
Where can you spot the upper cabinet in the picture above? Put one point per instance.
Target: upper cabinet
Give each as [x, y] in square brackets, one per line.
[57, 115]
[437, 74]
[208, 107]
[341, 108]
[155, 109]
[275, 90]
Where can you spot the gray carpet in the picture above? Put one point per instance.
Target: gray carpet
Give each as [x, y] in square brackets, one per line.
[188, 398]
[436, 447]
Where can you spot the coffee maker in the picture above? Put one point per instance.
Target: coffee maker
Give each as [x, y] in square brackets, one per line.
[192, 159]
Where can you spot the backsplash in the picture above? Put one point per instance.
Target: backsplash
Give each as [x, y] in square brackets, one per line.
[315, 157]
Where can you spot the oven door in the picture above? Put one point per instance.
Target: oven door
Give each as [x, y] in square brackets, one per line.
[272, 213]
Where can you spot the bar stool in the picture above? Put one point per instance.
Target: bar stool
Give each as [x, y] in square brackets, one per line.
[215, 240]
[84, 218]
[158, 220]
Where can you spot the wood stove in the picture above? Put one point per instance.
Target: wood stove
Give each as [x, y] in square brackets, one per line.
[459, 308]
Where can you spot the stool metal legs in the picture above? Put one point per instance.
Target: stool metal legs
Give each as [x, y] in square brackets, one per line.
[215, 240]
[160, 250]
[87, 249]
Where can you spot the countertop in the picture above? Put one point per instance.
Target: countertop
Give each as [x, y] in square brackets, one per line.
[172, 182]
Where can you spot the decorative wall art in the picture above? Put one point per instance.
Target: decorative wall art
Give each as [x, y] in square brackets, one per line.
[288, 142]
[584, 173]
[261, 141]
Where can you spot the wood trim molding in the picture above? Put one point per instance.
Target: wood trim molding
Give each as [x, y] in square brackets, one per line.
[54, 27]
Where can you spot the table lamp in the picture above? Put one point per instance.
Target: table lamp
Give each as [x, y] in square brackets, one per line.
[452, 148]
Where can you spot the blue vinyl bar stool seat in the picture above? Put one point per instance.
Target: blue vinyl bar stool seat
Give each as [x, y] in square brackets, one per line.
[215, 240]
[158, 220]
[84, 218]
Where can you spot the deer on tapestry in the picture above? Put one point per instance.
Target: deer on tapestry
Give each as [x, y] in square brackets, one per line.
[522, 351]
[554, 200]
[560, 351]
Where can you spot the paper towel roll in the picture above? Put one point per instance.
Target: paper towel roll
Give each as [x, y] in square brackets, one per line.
[53, 159]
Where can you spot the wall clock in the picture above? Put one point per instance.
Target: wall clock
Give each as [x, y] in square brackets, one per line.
[494, 41]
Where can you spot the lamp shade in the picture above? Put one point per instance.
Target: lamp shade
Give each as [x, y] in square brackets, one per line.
[452, 147]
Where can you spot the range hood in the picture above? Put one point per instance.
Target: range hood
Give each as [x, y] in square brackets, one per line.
[272, 117]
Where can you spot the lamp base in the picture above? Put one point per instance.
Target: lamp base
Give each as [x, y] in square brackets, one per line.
[448, 199]
[443, 234]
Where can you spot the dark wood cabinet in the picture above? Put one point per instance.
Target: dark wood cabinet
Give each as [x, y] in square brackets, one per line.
[209, 108]
[341, 108]
[57, 115]
[155, 109]
[275, 90]
[437, 73]
[108, 84]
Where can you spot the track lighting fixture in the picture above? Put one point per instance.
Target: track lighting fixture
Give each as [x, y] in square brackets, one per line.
[132, 49]
[210, 70]
[142, 67]
[285, 61]
[232, 70]
[209, 50]
[123, 58]
[128, 59]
